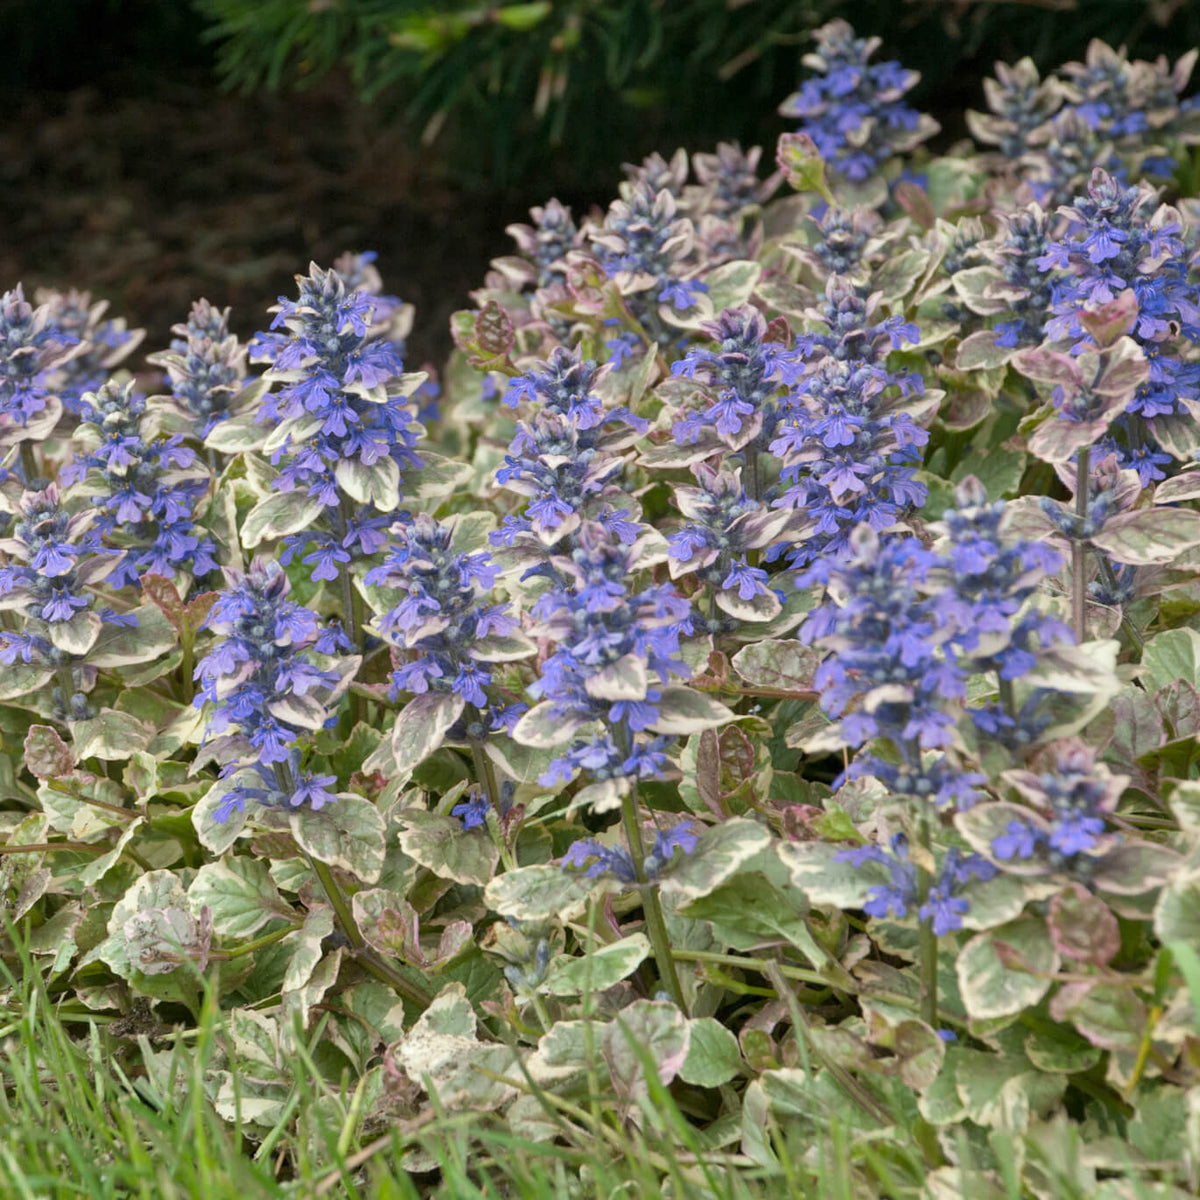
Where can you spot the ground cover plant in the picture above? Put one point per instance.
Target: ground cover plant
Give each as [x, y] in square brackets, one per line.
[735, 733]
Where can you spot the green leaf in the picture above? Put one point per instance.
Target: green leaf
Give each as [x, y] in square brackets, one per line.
[749, 910]
[1001, 1092]
[441, 845]
[111, 736]
[213, 836]
[377, 484]
[419, 730]
[998, 470]
[732, 283]
[1170, 656]
[279, 514]
[438, 477]
[387, 921]
[154, 889]
[1149, 536]
[824, 881]
[598, 970]
[992, 983]
[46, 755]
[121, 645]
[237, 434]
[1177, 913]
[653, 1030]
[775, 663]
[1109, 1015]
[624, 679]
[720, 851]
[542, 726]
[979, 350]
[538, 893]
[241, 895]
[511, 647]
[348, 834]
[713, 1057]
[20, 679]
[684, 710]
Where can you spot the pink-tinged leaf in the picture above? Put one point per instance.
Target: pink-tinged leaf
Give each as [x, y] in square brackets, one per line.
[46, 755]
[778, 332]
[462, 330]
[1134, 868]
[1125, 369]
[708, 772]
[165, 595]
[199, 607]
[915, 201]
[1048, 366]
[651, 1030]
[1149, 536]
[1082, 926]
[1058, 441]
[493, 330]
[1185, 486]
[1107, 1014]
[1113, 320]
[980, 352]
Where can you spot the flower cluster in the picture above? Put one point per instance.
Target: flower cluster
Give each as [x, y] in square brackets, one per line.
[565, 456]
[343, 407]
[724, 526]
[206, 367]
[614, 648]
[742, 378]
[55, 560]
[730, 183]
[987, 582]
[854, 110]
[849, 448]
[345, 419]
[1020, 102]
[942, 906]
[617, 862]
[647, 249]
[545, 243]
[1072, 799]
[101, 343]
[908, 625]
[451, 635]
[147, 487]
[267, 688]
[31, 345]
[1117, 242]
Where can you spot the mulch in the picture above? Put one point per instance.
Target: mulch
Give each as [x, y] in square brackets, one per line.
[151, 200]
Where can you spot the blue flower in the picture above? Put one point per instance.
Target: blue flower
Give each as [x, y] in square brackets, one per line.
[854, 110]
[262, 682]
[342, 402]
[149, 487]
[616, 861]
[440, 619]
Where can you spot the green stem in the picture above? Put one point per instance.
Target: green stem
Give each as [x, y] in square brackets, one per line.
[927, 939]
[485, 774]
[187, 664]
[656, 925]
[1008, 700]
[363, 954]
[267, 939]
[747, 964]
[29, 464]
[1079, 548]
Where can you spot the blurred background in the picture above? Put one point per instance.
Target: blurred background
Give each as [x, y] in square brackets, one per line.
[156, 151]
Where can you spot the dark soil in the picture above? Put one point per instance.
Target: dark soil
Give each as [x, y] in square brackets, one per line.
[154, 199]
